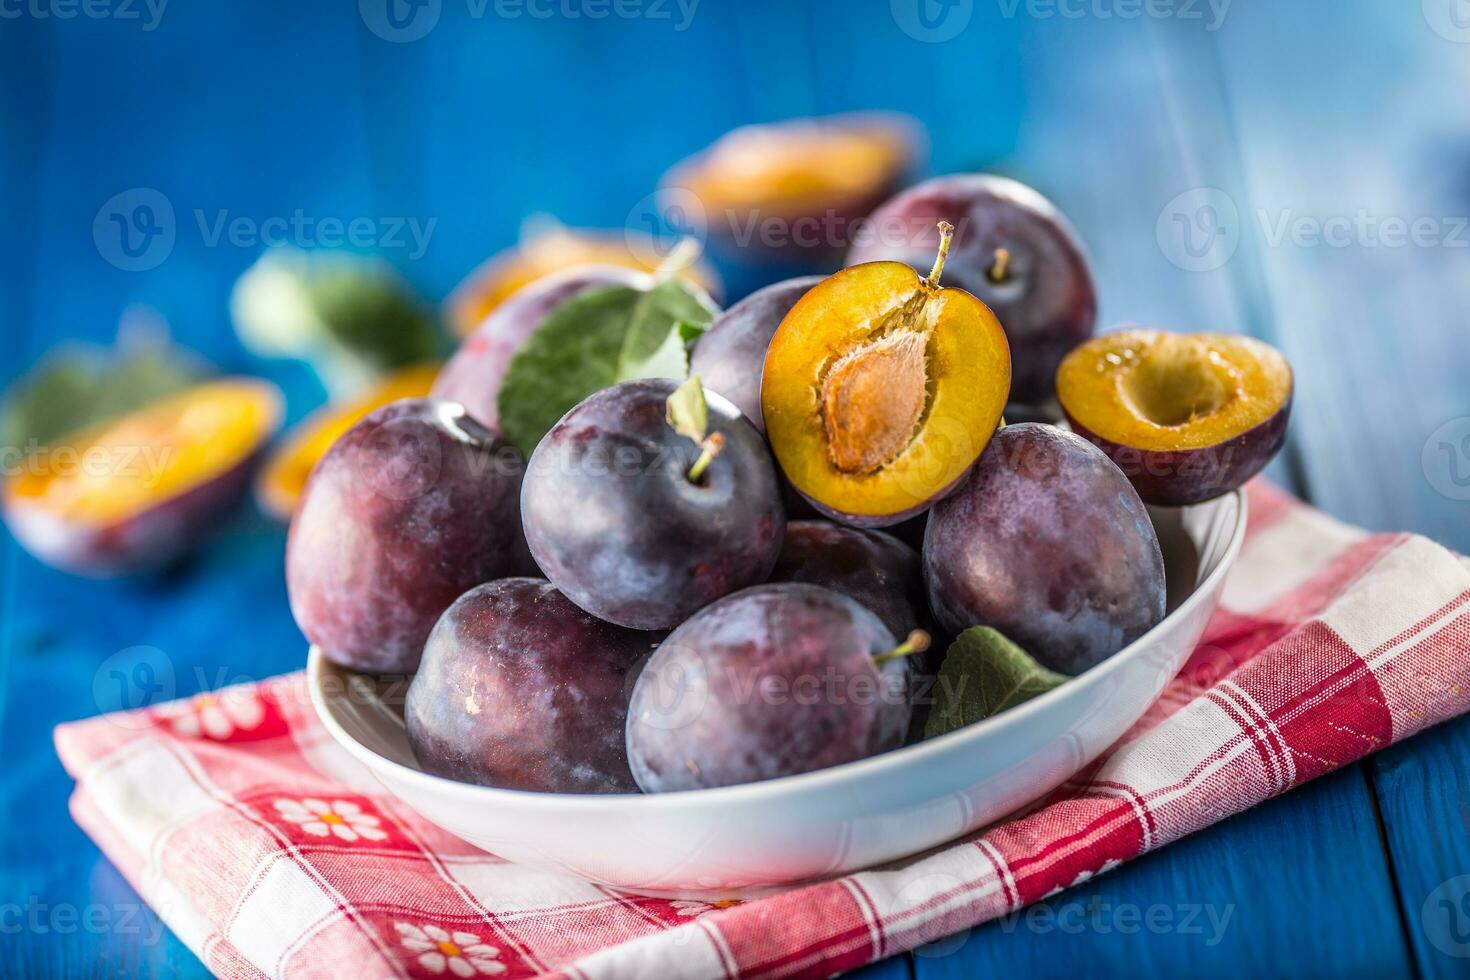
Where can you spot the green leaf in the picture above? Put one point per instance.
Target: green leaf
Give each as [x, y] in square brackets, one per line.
[688, 412]
[350, 316]
[596, 339]
[74, 388]
[984, 674]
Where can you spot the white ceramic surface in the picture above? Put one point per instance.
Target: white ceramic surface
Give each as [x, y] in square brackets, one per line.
[742, 839]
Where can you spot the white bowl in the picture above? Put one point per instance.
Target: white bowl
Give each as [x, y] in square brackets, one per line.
[744, 839]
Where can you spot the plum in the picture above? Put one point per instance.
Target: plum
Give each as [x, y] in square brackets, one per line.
[474, 374]
[520, 689]
[136, 493]
[730, 357]
[772, 681]
[1049, 543]
[641, 525]
[1013, 250]
[1186, 417]
[410, 509]
[881, 387]
[882, 573]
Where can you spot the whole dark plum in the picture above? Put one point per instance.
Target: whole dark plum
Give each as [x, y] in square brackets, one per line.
[1013, 250]
[521, 689]
[474, 374]
[730, 357]
[617, 524]
[1048, 543]
[772, 681]
[881, 572]
[415, 505]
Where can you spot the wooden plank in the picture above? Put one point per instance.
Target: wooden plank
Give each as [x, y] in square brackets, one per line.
[1377, 336]
[1255, 896]
[233, 111]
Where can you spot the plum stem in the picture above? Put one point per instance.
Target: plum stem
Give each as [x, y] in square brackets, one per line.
[711, 448]
[946, 236]
[1000, 269]
[917, 642]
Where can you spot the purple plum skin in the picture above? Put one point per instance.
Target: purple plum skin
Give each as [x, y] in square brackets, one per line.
[1048, 543]
[880, 572]
[475, 373]
[615, 523]
[773, 681]
[1048, 302]
[522, 690]
[410, 509]
[730, 358]
[1178, 478]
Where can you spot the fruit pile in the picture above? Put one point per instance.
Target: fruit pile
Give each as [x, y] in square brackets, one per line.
[629, 542]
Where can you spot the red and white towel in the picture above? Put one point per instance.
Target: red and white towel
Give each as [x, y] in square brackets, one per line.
[272, 853]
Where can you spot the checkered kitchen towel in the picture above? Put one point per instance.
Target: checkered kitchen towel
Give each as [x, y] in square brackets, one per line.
[270, 852]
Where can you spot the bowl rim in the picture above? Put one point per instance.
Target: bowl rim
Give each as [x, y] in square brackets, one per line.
[871, 767]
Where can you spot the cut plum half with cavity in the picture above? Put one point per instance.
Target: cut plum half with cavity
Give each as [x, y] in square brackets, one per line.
[1186, 417]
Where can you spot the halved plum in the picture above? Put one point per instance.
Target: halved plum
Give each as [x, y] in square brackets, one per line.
[796, 188]
[1186, 417]
[880, 388]
[135, 493]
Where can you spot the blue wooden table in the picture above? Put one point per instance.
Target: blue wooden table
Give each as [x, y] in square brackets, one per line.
[1231, 167]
